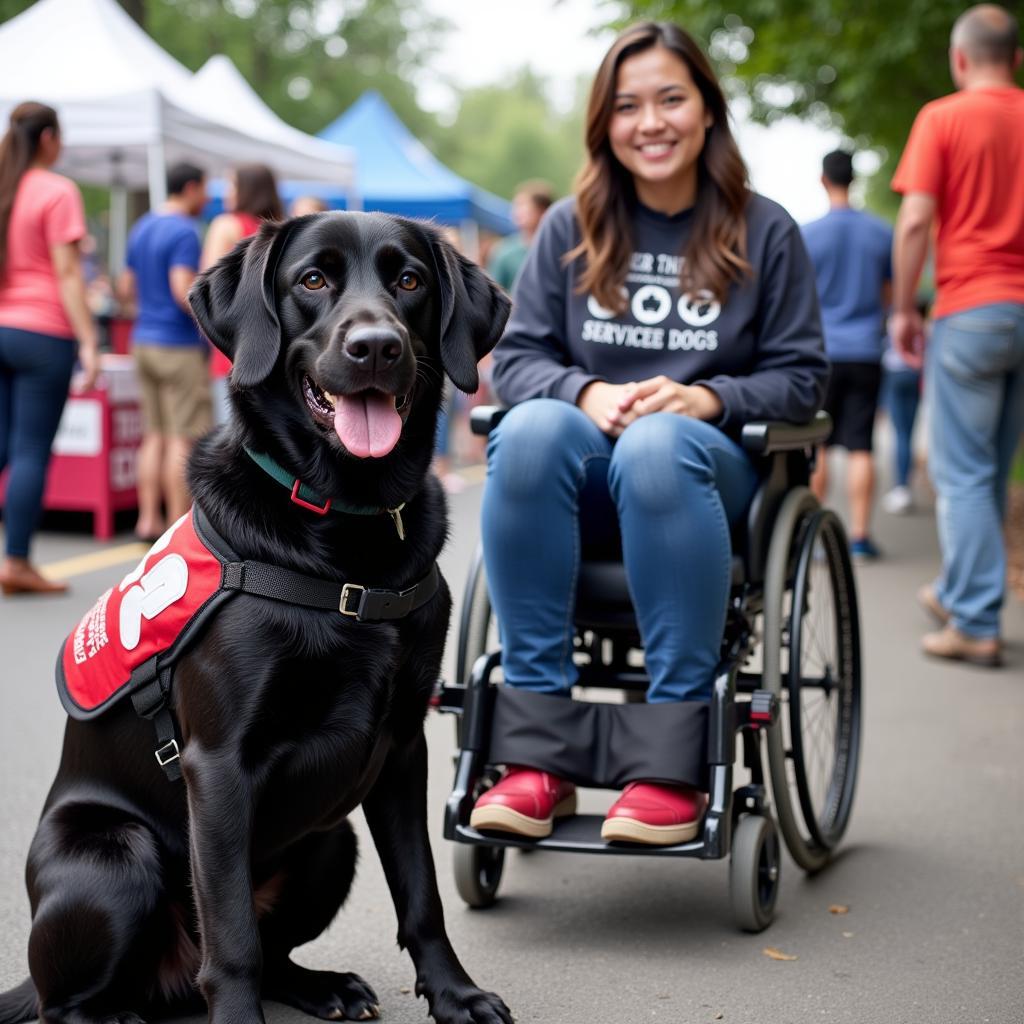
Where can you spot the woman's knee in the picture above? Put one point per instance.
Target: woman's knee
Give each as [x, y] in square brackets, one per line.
[656, 455]
[537, 440]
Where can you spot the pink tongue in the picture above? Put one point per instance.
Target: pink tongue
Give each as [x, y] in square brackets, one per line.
[367, 424]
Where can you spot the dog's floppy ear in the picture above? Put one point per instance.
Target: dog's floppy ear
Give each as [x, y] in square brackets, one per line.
[473, 313]
[233, 303]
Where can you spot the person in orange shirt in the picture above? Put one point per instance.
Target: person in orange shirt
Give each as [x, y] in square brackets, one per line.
[963, 171]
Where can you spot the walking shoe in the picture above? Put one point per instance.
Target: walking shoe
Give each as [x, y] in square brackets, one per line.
[525, 802]
[898, 502]
[950, 643]
[863, 549]
[17, 576]
[928, 600]
[652, 813]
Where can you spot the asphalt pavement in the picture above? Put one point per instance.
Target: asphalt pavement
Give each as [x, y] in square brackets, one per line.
[931, 871]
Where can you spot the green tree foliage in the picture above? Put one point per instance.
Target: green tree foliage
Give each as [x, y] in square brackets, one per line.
[863, 66]
[509, 132]
[308, 59]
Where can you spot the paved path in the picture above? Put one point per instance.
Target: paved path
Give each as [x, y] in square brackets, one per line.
[932, 869]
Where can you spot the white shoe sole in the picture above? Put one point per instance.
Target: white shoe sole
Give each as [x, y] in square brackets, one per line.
[496, 818]
[629, 830]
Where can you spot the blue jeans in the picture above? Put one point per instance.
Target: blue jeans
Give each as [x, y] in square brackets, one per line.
[902, 396]
[670, 486]
[975, 377]
[35, 371]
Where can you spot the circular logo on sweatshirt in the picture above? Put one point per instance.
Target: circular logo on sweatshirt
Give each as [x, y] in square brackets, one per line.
[700, 309]
[651, 304]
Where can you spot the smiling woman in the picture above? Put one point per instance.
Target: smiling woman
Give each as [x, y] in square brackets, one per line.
[661, 307]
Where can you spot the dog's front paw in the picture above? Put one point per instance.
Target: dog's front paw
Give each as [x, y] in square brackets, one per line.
[324, 994]
[469, 1005]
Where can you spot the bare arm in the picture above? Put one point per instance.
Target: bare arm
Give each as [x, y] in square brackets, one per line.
[909, 251]
[124, 289]
[224, 234]
[67, 265]
[180, 279]
[910, 247]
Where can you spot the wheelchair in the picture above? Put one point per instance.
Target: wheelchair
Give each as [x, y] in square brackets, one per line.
[788, 682]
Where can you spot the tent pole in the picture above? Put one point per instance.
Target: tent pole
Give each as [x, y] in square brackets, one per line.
[118, 242]
[157, 171]
[469, 233]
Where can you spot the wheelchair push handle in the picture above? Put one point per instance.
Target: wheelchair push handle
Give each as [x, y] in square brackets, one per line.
[484, 418]
[758, 438]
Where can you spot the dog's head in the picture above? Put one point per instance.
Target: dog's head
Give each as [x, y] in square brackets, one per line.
[351, 315]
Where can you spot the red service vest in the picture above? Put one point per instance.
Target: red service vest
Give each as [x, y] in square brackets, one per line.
[151, 614]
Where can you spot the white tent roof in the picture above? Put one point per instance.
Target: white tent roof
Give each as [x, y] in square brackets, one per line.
[128, 109]
[227, 96]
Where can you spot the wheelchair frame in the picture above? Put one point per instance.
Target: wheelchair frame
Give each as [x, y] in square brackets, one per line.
[737, 821]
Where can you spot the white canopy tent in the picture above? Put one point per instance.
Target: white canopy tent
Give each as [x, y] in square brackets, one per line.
[128, 109]
[226, 95]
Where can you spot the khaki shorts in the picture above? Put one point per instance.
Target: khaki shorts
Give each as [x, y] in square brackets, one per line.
[175, 385]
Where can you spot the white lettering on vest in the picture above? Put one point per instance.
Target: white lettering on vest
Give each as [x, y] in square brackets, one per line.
[164, 584]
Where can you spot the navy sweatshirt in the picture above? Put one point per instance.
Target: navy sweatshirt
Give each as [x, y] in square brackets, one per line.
[761, 351]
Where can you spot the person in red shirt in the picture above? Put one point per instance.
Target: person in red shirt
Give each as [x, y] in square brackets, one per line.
[252, 197]
[43, 310]
[963, 172]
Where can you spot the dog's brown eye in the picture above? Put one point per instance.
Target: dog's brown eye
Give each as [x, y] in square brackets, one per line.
[409, 282]
[313, 281]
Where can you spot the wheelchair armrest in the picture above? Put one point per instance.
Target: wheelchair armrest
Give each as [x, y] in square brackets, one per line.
[763, 438]
[484, 418]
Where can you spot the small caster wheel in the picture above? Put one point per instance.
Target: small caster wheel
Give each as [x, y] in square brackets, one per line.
[754, 872]
[478, 872]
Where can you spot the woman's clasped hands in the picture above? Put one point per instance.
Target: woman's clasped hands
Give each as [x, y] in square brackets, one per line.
[614, 406]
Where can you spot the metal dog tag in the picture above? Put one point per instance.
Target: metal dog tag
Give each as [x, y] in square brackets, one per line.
[396, 515]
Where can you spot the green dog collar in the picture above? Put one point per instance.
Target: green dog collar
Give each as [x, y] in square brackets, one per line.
[307, 498]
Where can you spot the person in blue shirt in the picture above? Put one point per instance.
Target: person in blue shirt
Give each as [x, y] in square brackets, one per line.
[851, 252]
[171, 356]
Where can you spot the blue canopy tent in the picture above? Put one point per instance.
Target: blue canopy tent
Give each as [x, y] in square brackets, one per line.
[398, 174]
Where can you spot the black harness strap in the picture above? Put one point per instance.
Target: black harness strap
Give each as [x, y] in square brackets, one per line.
[365, 604]
[151, 699]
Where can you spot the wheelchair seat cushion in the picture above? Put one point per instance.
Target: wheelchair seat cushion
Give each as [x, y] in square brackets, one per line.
[602, 592]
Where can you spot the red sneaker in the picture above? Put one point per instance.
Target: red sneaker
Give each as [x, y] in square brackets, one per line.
[648, 812]
[525, 802]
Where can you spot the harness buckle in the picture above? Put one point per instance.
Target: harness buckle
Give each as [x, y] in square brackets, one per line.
[350, 590]
[320, 511]
[167, 753]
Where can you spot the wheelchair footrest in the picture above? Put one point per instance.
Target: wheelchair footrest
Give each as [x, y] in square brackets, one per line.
[580, 833]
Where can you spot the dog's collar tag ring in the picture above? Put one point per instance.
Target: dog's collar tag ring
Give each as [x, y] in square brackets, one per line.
[320, 511]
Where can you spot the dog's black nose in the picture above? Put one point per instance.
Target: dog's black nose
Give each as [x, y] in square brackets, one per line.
[373, 347]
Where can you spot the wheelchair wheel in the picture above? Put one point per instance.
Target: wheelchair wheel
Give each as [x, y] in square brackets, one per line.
[812, 662]
[824, 680]
[475, 620]
[754, 872]
[478, 873]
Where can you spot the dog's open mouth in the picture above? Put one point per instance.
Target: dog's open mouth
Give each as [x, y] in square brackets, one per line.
[368, 423]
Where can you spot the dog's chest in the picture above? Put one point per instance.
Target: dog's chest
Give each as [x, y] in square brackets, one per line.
[325, 770]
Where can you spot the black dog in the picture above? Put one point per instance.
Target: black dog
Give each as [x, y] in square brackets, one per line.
[146, 892]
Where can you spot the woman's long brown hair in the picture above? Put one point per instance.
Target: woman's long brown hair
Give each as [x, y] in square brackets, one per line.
[18, 150]
[715, 254]
[256, 192]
